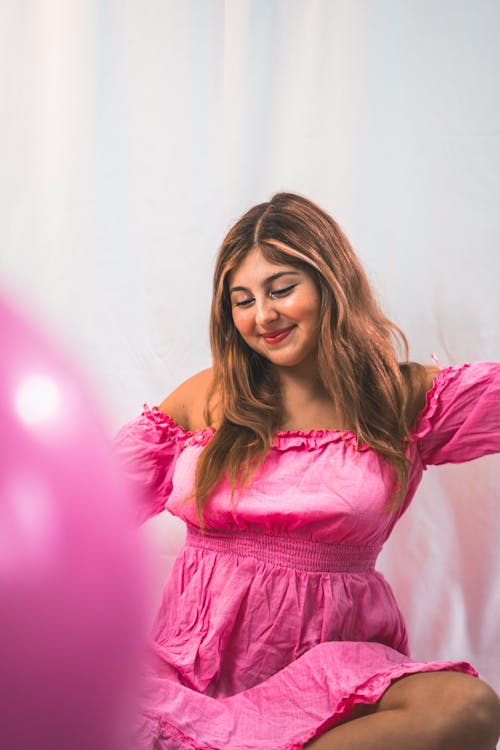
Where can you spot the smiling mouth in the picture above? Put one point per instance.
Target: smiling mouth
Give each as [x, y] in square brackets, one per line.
[275, 337]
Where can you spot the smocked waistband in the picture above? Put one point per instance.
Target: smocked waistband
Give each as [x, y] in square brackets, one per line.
[286, 551]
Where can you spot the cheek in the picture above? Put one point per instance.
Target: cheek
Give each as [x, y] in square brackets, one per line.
[242, 323]
[305, 309]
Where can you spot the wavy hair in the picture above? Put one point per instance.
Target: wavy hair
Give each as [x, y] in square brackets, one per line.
[357, 360]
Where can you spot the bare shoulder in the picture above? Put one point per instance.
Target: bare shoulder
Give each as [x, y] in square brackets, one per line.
[187, 403]
[418, 379]
[430, 372]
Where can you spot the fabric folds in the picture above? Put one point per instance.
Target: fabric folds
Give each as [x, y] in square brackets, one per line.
[275, 623]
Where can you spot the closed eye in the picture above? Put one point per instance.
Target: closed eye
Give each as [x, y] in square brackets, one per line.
[282, 292]
[274, 294]
[244, 302]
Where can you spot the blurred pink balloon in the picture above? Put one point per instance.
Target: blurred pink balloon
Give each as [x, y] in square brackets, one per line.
[71, 604]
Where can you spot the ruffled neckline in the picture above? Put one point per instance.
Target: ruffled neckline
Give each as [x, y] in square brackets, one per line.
[284, 439]
[315, 438]
[311, 439]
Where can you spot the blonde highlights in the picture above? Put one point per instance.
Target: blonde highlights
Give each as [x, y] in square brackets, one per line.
[357, 360]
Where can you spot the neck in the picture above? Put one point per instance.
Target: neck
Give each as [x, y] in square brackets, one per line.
[304, 399]
[300, 383]
[306, 403]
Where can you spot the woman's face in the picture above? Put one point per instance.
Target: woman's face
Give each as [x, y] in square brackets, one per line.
[276, 309]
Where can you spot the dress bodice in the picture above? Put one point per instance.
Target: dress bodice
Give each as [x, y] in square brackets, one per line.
[319, 484]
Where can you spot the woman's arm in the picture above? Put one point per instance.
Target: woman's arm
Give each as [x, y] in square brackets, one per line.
[461, 417]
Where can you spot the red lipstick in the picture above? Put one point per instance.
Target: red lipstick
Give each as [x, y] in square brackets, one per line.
[274, 337]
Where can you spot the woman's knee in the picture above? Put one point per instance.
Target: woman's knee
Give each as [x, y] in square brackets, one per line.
[453, 706]
[480, 706]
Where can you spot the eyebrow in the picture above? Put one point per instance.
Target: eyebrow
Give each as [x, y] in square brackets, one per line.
[266, 281]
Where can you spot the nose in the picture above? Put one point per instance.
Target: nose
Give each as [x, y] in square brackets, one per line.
[265, 311]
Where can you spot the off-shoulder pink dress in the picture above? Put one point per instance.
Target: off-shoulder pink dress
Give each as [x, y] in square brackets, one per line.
[275, 623]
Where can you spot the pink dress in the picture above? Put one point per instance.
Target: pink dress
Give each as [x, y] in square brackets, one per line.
[275, 624]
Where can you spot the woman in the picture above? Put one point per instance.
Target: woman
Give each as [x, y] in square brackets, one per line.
[290, 461]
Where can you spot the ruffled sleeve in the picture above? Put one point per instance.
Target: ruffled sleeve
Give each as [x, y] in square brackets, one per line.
[147, 449]
[461, 419]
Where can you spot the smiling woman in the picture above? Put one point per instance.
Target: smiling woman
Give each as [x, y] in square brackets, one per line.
[276, 311]
[290, 461]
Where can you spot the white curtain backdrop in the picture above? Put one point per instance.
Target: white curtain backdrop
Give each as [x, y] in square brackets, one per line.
[133, 134]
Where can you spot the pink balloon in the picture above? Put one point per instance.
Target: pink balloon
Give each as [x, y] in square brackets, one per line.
[71, 603]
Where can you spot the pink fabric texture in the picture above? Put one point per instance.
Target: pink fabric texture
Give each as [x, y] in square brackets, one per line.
[275, 623]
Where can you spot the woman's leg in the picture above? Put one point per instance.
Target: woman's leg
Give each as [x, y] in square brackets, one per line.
[428, 711]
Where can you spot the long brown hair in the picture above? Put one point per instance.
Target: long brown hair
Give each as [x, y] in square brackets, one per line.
[357, 360]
